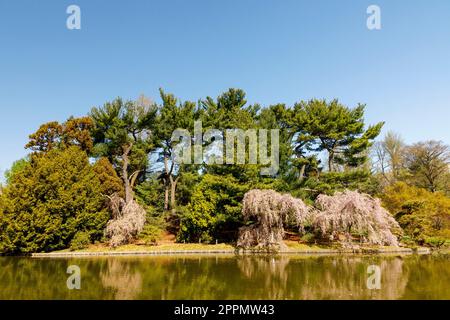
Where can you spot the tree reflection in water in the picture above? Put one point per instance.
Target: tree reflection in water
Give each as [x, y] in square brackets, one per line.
[125, 281]
[227, 277]
[324, 277]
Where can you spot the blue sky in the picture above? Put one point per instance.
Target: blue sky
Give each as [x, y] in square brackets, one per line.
[277, 51]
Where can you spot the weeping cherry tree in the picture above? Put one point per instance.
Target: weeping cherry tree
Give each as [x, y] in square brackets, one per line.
[352, 213]
[268, 211]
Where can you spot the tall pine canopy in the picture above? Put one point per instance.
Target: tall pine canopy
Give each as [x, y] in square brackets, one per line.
[336, 129]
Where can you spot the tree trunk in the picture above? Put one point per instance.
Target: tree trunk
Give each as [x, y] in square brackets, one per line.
[302, 172]
[173, 189]
[126, 162]
[166, 183]
[166, 196]
[330, 160]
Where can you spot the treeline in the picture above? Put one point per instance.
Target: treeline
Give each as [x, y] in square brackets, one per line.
[414, 183]
[96, 173]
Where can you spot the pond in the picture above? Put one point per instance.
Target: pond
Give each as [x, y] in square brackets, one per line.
[228, 277]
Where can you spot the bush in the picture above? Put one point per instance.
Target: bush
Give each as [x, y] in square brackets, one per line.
[151, 234]
[80, 241]
[154, 226]
[407, 240]
[422, 214]
[435, 242]
[214, 211]
[308, 237]
[205, 238]
[51, 199]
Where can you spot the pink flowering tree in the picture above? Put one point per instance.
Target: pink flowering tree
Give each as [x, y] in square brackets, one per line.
[268, 211]
[128, 221]
[349, 213]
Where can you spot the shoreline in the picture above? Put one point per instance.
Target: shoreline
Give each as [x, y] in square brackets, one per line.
[176, 249]
[361, 251]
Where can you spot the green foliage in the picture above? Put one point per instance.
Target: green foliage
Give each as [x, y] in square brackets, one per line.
[335, 128]
[279, 117]
[308, 237]
[16, 167]
[229, 111]
[436, 242]
[330, 182]
[422, 214]
[110, 182]
[186, 187]
[150, 193]
[151, 234]
[155, 225]
[172, 115]
[407, 240]
[214, 211]
[55, 197]
[120, 124]
[51, 135]
[47, 137]
[49, 201]
[77, 132]
[81, 240]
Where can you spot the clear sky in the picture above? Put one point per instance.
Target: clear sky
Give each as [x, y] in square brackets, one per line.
[277, 51]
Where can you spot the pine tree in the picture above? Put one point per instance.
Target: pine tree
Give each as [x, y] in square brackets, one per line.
[123, 133]
[173, 115]
[336, 129]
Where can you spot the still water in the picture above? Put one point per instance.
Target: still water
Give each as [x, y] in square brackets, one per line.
[227, 277]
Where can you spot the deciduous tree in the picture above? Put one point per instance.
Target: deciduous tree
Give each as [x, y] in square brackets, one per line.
[268, 212]
[428, 163]
[351, 213]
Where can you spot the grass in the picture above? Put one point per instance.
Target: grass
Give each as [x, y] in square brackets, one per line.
[161, 247]
[172, 246]
[297, 246]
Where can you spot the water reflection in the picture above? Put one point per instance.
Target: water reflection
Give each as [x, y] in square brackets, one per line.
[122, 279]
[324, 277]
[227, 277]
